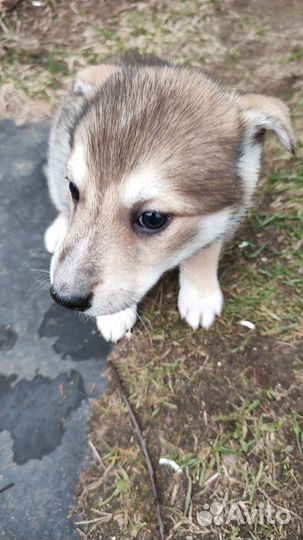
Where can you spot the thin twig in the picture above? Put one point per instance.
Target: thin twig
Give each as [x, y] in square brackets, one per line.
[101, 519]
[96, 454]
[142, 444]
[8, 486]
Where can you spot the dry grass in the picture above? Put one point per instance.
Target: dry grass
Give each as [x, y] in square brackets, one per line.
[40, 53]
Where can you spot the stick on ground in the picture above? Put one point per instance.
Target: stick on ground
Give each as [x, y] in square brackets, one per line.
[8, 486]
[143, 445]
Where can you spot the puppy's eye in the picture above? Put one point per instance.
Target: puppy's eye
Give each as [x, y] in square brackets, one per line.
[152, 222]
[74, 192]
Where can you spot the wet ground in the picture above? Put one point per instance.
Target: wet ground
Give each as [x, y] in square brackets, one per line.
[51, 362]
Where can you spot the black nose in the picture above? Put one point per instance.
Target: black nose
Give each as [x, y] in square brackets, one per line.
[78, 303]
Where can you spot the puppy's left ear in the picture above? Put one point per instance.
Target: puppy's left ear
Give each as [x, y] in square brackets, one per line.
[260, 113]
[88, 80]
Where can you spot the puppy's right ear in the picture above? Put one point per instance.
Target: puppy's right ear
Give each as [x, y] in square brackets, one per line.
[88, 80]
[261, 113]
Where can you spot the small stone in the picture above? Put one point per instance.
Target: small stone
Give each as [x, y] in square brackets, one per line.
[8, 337]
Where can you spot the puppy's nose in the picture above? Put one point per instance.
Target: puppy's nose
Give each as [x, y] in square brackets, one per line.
[78, 303]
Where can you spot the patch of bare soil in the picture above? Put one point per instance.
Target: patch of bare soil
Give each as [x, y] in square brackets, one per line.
[220, 406]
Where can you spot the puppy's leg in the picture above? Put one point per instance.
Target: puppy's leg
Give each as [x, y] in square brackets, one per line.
[200, 296]
[114, 327]
[55, 233]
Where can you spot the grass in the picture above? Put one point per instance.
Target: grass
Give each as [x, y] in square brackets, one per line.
[297, 54]
[40, 58]
[274, 258]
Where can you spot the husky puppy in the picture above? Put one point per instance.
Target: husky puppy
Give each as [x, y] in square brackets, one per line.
[151, 166]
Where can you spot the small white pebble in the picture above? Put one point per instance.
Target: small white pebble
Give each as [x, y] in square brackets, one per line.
[248, 324]
[36, 3]
[244, 244]
[171, 463]
[219, 364]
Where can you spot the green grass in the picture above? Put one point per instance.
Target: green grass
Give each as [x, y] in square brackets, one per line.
[268, 288]
[297, 54]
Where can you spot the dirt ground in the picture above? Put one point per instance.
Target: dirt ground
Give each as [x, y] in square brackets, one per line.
[224, 405]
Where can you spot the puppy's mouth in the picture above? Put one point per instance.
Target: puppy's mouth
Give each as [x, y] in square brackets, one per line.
[97, 311]
[85, 304]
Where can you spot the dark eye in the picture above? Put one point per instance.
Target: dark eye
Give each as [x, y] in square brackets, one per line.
[152, 222]
[74, 192]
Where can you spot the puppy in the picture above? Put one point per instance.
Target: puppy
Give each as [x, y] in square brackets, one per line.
[151, 165]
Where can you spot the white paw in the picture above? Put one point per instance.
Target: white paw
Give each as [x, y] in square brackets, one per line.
[55, 233]
[114, 327]
[197, 309]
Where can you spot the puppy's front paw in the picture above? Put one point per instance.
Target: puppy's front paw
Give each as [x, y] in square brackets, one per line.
[199, 309]
[114, 327]
[55, 233]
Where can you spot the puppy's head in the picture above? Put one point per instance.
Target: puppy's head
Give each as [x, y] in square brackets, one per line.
[154, 173]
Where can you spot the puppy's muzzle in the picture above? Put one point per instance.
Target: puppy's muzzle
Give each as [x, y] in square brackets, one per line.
[77, 303]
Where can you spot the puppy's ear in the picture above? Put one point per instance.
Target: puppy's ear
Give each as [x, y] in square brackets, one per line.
[90, 79]
[261, 113]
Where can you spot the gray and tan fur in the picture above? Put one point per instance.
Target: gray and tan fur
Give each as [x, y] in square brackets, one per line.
[134, 135]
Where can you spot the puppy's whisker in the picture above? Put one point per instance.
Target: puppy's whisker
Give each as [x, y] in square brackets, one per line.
[84, 317]
[39, 252]
[40, 270]
[36, 287]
